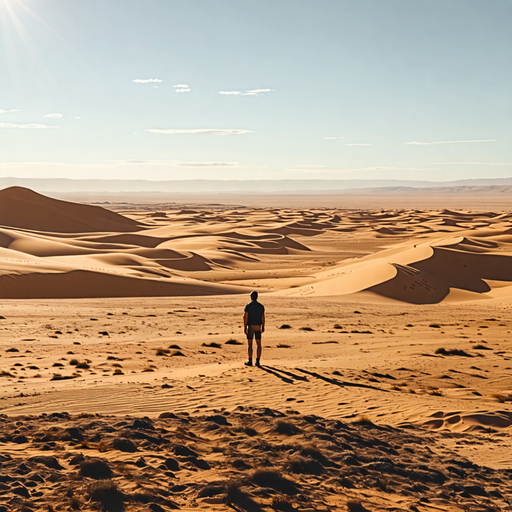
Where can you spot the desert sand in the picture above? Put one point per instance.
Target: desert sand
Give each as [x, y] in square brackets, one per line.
[386, 380]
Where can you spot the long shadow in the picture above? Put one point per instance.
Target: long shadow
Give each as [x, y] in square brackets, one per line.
[341, 383]
[290, 374]
[284, 379]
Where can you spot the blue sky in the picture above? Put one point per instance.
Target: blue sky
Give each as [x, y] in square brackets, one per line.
[256, 89]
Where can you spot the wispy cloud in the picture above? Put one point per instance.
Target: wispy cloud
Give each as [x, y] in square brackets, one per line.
[471, 163]
[357, 144]
[27, 126]
[147, 80]
[182, 88]
[54, 116]
[205, 131]
[332, 138]
[250, 92]
[7, 111]
[306, 166]
[344, 171]
[447, 142]
[174, 163]
[76, 117]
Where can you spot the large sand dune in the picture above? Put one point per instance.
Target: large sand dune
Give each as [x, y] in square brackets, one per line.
[51, 248]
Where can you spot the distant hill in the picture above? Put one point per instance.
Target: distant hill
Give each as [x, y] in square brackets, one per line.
[43, 185]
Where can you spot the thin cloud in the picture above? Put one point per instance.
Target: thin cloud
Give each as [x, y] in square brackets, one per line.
[147, 80]
[182, 88]
[334, 171]
[305, 166]
[54, 116]
[174, 163]
[471, 163]
[357, 144]
[33, 126]
[329, 138]
[448, 142]
[250, 92]
[205, 131]
[7, 111]
[77, 117]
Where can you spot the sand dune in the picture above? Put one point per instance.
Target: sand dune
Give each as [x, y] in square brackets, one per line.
[24, 208]
[411, 256]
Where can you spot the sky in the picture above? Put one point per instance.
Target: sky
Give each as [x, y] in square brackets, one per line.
[256, 89]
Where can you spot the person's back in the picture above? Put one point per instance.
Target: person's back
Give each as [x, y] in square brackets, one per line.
[254, 325]
[255, 310]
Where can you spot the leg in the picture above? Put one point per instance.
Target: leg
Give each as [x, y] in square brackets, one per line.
[250, 335]
[258, 347]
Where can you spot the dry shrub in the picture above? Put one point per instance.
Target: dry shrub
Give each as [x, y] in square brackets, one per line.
[283, 345]
[274, 479]
[97, 469]
[107, 493]
[162, 351]
[452, 352]
[355, 506]
[285, 326]
[305, 465]
[286, 427]
[363, 420]
[75, 503]
[233, 489]
[232, 341]
[309, 329]
[502, 397]
[212, 345]
[283, 503]
[433, 391]
[211, 489]
[74, 362]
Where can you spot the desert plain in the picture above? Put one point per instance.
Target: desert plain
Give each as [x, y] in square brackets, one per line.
[386, 370]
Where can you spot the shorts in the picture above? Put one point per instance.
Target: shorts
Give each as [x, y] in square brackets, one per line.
[253, 333]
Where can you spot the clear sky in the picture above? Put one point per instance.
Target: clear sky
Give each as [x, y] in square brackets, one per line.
[256, 89]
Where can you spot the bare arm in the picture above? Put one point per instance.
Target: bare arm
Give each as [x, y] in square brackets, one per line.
[246, 317]
[263, 322]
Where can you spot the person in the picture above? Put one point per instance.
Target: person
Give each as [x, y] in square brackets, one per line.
[254, 325]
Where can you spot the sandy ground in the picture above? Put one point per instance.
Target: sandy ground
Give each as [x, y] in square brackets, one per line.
[386, 379]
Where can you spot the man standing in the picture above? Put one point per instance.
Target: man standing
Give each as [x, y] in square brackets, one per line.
[254, 325]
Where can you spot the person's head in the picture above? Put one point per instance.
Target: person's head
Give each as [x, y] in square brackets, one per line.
[254, 296]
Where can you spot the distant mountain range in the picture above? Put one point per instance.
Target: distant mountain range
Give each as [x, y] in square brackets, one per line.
[247, 186]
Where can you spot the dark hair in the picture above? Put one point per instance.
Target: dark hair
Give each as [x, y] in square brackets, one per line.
[254, 295]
